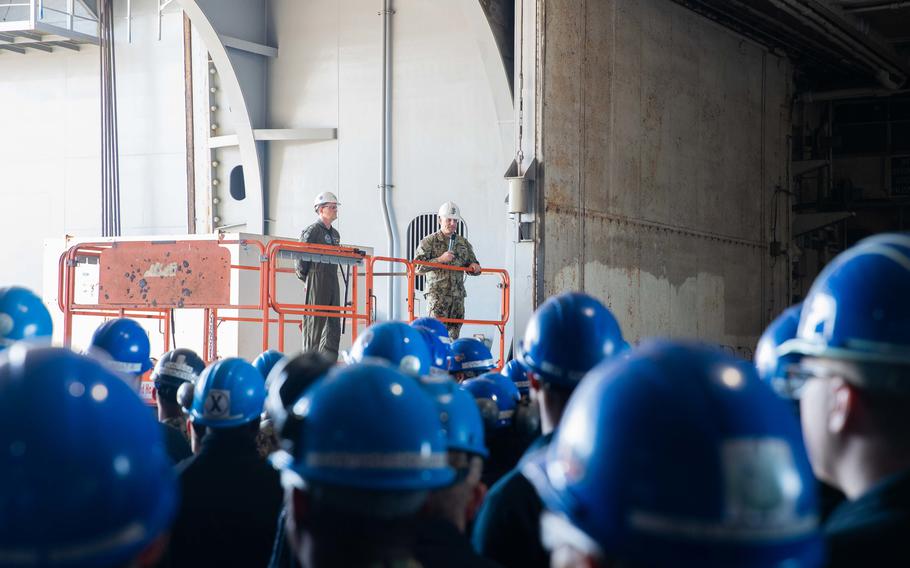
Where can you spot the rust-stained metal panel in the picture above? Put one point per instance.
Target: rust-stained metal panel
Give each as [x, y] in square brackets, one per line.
[189, 274]
[664, 139]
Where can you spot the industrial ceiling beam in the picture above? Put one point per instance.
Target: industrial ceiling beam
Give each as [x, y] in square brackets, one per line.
[810, 31]
[39, 46]
[67, 45]
[28, 35]
[859, 7]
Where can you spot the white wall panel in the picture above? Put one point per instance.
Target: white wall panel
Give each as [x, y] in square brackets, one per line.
[50, 140]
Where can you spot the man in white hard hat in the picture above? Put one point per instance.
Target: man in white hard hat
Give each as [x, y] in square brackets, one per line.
[445, 291]
[321, 333]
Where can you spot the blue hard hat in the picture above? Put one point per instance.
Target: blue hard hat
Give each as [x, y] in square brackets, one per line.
[229, 393]
[395, 343]
[505, 383]
[517, 373]
[567, 336]
[859, 306]
[434, 325]
[176, 367]
[458, 413]
[22, 316]
[497, 403]
[86, 477]
[369, 426]
[471, 355]
[266, 360]
[440, 352]
[746, 496]
[773, 367]
[124, 344]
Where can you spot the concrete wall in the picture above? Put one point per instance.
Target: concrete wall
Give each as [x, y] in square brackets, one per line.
[50, 141]
[663, 137]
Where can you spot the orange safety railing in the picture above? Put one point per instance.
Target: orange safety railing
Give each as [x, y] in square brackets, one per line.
[268, 269]
[504, 285]
[211, 318]
[284, 309]
[409, 273]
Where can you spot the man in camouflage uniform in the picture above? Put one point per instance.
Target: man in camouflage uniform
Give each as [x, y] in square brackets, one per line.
[321, 334]
[445, 291]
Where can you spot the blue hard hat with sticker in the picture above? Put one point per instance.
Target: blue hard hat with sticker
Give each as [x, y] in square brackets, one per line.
[471, 355]
[23, 316]
[265, 361]
[368, 426]
[858, 307]
[396, 344]
[177, 367]
[747, 496]
[86, 477]
[458, 413]
[123, 345]
[567, 336]
[229, 393]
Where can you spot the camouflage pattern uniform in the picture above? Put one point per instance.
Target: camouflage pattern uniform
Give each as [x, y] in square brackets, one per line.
[445, 291]
[179, 423]
[320, 333]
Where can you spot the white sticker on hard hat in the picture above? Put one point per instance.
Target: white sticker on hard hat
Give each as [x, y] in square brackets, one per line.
[479, 363]
[409, 364]
[217, 404]
[761, 493]
[761, 483]
[6, 323]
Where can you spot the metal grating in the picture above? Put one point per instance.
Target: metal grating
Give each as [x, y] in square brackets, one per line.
[420, 227]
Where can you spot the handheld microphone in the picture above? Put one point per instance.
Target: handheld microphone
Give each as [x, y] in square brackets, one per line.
[451, 242]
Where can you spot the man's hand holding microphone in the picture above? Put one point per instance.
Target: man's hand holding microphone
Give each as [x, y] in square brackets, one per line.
[449, 256]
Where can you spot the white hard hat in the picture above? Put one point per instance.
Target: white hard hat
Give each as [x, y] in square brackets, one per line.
[449, 210]
[323, 198]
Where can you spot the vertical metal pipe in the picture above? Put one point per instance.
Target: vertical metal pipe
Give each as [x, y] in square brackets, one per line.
[385, 154]
[110, 178]
[188, 120]
[115, 147]
[102, 32]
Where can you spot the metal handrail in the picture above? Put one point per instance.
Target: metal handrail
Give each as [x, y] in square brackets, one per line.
[268, 270]
[505, 285]
[314, 310]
